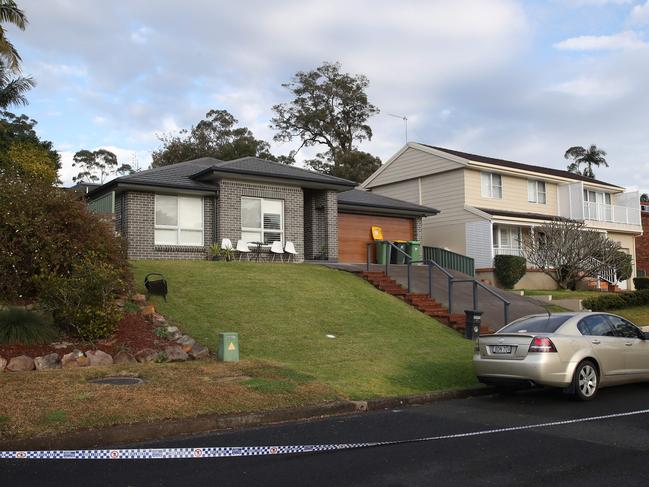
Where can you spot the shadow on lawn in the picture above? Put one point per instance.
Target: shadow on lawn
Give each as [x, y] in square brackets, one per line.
[425, 376]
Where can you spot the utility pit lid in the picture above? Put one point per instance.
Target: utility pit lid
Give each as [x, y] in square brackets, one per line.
[117, 381]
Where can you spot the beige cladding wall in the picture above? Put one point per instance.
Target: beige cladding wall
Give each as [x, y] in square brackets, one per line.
[514, 195]
[413, 163]
[628, 244]
[531, 280]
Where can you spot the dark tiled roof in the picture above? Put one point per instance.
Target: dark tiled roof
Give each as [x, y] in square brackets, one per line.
[356, 197]
[518, 214]
[520, 165]
[173, 176]
[262, 167]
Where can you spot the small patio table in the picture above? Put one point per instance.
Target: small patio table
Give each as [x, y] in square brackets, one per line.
[257, 250]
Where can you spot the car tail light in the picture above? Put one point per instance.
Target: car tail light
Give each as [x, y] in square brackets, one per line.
[542, 344]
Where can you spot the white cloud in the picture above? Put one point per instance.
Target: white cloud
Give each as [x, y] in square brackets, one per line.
[599, 2]
[623, 40]
[596, 88]
[640, 14]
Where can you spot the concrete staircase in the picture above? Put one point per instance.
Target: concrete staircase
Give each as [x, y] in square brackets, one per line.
[421, 302]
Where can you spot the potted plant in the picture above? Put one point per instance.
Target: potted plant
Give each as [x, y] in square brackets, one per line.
[228, 254]
[323, 253]
[215, 251]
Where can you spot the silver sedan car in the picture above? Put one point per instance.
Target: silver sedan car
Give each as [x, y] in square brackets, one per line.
[579, 352]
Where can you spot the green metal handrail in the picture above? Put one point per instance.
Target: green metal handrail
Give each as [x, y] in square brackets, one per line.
[450, 260]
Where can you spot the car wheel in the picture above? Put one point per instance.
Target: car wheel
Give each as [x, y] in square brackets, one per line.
[585, 382]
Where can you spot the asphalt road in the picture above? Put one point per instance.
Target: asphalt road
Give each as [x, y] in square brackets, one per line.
[612, 451]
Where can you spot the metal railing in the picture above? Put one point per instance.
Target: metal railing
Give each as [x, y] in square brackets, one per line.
[605, 272]
[450, 279]
[611, 213]
[450, 260]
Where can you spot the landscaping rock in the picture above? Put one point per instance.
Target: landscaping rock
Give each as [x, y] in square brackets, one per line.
[75, 358]
[199, 352]
[22, 363]
[3, 364]
[98, 358]
[139, 298]
[172, 329]
[146, 355]
[59, 345]
[48, 362]
[186, 342]
[158, 318]
[148, 310]
[123, 358]
[109, 342]
[175, 354]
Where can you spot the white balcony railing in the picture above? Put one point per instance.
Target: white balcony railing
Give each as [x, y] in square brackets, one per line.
[508, 251]
[611, 213]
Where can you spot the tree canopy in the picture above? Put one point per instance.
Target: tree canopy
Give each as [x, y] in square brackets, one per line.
[22, 152]
[215, 136]
[95, 166]
[10, 13]
[329, 108]
[593, 156]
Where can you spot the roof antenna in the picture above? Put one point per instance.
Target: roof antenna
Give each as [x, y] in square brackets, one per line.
[405, 121]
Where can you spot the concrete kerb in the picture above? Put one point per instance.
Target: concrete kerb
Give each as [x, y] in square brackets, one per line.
[121, 435]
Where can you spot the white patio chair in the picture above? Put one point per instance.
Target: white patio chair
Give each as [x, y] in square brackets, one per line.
[276, 249]
[289, 248]
[226, 243]
[242, 248]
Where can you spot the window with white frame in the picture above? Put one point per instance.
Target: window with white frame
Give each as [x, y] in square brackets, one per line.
[536, 192]
[491, 185]
[262, 220]
[178, 220]
[506, 237]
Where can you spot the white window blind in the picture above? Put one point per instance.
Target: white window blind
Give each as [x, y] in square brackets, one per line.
[536, 192]
[491, 185]
[178, 220]
[262, 220]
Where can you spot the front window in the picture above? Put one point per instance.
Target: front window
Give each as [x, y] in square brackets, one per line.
[507, 240]
[536, 192]
[597, 205]
[262, 220]
[491, 185]
[178, 220]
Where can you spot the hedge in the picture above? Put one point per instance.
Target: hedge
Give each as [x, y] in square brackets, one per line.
[509, 269]
[606, 302]
[641, 282]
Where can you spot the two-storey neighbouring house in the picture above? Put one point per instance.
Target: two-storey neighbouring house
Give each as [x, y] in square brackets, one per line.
[486, 203]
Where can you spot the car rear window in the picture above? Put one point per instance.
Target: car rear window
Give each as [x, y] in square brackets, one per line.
[536, 324]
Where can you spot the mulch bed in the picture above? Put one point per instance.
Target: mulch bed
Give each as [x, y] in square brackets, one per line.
[134, 333]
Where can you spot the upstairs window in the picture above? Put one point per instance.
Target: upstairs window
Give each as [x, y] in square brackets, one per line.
[491, 185]
[536, 192]
[262, 220]
[178, 220]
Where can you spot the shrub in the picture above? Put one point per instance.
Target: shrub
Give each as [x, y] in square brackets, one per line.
[607, 302]
[18, 325]
[623, 264]
[83, 301]
[43, 232]
[641, 282]
[509, 269]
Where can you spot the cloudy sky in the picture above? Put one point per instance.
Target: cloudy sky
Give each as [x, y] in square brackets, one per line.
[511, 79]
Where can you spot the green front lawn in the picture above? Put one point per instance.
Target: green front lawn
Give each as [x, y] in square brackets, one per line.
[284, 312]
[563, 293]
[638, 314]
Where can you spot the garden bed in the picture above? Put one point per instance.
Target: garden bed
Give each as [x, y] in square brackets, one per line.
[134, 332]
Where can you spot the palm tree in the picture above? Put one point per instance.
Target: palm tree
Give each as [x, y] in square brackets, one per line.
[13, 88]
[590, 157]
[9, 12]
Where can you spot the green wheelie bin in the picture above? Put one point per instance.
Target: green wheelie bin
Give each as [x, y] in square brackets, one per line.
[382, 251]
[414, 249]
[398, 257]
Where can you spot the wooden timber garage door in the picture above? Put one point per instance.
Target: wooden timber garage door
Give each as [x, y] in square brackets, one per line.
[354, 232]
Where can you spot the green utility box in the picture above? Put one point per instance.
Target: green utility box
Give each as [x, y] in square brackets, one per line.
[398, 257]
[414, 249]
[228, 347]
[382, 251]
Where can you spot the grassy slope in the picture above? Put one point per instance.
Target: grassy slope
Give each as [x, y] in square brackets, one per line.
[638, 314]
[563, 293]
[283, 313]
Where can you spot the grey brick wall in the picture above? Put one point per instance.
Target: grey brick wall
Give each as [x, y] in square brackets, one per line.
[321, 224]
[418, 229]
[137, 220]
[229, 210]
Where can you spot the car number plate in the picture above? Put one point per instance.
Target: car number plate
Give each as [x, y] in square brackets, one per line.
[501, 349]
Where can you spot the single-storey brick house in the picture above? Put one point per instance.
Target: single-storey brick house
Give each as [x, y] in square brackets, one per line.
[178, 211]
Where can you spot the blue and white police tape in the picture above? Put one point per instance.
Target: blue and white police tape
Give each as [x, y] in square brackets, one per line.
[252, 451]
